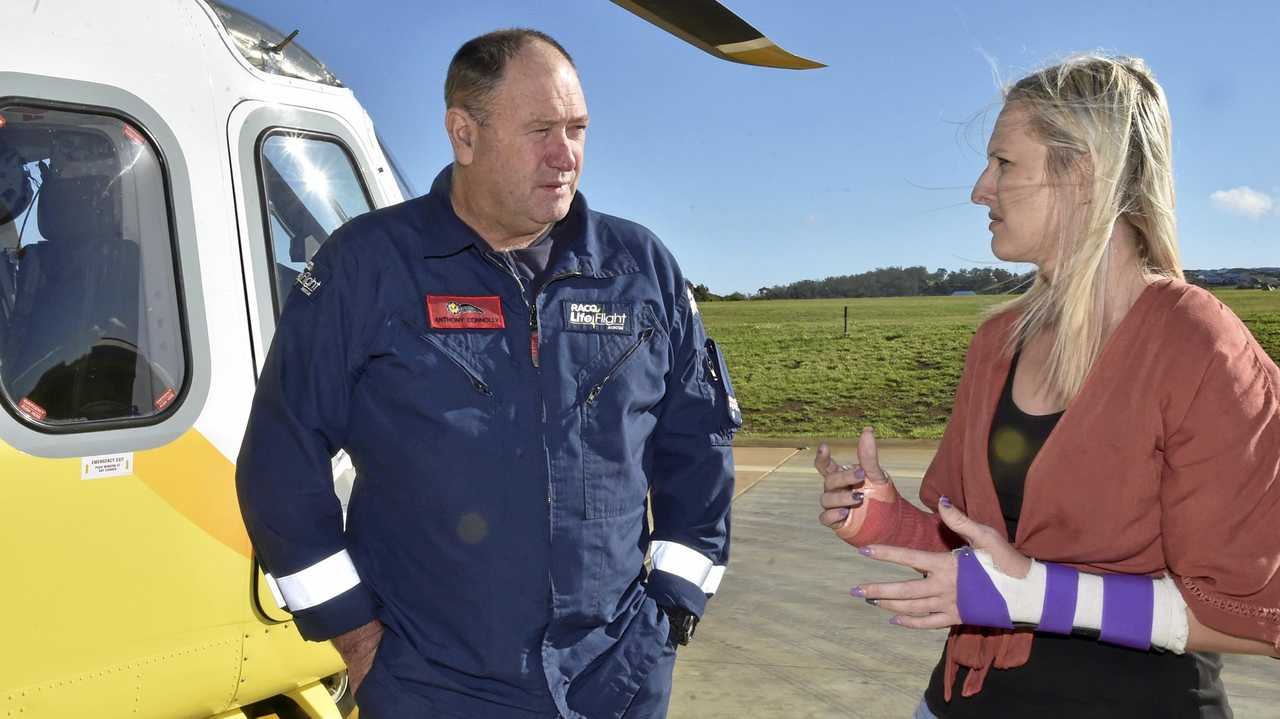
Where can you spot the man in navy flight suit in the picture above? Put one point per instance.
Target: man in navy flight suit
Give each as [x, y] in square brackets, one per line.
[514, 376]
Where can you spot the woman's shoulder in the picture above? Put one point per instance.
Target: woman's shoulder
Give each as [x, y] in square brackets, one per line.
[1192, 317]
[995, 330]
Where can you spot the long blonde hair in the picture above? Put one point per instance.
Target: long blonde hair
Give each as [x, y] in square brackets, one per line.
[1106, 125]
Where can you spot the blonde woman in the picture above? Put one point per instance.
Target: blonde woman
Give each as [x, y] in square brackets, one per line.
[1107, 493]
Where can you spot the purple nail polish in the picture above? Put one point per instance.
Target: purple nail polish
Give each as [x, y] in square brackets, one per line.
[859, 473]
[864, 551]
[857, 592]
[945, 501]
[842, 513]
[857, 499]
[894, 620]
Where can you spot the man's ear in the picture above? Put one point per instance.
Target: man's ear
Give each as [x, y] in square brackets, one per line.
[463, 133]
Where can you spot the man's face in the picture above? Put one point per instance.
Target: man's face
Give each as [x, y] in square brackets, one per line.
[528, 153]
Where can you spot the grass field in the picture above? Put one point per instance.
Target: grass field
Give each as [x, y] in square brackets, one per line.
[796, 375]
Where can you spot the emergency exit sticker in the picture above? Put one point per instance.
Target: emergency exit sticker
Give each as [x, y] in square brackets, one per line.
[106, 465]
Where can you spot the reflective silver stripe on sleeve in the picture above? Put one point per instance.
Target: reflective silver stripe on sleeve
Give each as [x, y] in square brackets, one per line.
[712, 582]
[319, 583]
[688, 564]
[275, 591]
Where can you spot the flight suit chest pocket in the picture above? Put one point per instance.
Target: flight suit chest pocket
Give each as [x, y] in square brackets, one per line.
[442, 377]
[619, 390]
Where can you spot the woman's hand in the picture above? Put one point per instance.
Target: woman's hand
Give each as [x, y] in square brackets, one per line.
[930, 602]
[846, 489]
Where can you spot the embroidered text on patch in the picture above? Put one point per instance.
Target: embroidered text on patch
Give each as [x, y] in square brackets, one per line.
[307, 281]
[455, 312]
[597, 316]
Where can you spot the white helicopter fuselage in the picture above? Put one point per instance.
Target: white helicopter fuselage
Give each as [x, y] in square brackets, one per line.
[135, 592]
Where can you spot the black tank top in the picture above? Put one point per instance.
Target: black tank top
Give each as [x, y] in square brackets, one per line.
[1072, 676]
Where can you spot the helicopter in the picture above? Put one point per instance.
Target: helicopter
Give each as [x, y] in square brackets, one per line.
[157, 202]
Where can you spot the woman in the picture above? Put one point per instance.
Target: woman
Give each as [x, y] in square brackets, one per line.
[1113, 456]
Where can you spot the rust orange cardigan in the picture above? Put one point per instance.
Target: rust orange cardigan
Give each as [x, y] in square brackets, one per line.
[1168, 461]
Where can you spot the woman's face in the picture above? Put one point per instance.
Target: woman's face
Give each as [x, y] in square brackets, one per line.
[1015, 187]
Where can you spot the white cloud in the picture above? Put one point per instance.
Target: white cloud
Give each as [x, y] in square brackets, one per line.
[1244, 201]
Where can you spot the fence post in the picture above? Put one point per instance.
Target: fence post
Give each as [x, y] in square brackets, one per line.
[846, 320]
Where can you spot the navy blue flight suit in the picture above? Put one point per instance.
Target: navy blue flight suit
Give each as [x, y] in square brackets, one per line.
[505, 439]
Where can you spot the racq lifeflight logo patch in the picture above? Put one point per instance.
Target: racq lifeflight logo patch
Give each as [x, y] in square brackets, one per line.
[453, 312]
[612, 317]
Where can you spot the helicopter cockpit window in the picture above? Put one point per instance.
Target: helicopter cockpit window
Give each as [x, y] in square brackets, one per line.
[406, 189]
[90, 329]
[311, 187]
[270, 50]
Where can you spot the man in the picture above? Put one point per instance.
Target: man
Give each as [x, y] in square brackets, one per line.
[513, 375]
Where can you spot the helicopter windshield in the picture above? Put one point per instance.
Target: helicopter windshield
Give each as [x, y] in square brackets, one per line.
[260, 44]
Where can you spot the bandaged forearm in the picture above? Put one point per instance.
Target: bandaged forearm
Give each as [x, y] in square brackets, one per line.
[1125, 609]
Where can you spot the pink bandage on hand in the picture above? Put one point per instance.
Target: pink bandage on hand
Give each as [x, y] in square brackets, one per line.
[894, 521]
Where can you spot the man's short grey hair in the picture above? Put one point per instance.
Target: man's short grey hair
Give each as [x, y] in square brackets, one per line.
[478, 67]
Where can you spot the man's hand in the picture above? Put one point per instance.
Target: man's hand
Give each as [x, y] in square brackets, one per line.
[357, 648]
[846, 488]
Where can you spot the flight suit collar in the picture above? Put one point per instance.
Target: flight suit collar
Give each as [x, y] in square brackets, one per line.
[580, 246]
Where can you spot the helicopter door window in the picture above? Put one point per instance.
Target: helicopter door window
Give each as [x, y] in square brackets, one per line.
[90, 329]
[311, 187]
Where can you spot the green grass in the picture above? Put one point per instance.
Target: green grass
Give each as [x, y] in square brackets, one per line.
[796, 375]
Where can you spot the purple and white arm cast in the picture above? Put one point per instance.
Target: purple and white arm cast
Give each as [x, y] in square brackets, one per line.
[1130, 610]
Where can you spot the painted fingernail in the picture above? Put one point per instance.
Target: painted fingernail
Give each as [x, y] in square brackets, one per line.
[857, 499]
[872, 602]
[858, 592]
[945, 501]
[864, 551]
[842, 513]
[894, 620]
[859, 473]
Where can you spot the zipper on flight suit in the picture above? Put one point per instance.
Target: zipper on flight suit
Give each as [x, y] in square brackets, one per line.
[477, 383]
[533, 314]
[531, 304]
[645, 334]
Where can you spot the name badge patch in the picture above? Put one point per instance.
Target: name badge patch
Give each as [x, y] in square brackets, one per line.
[453, 312]
[610, 317]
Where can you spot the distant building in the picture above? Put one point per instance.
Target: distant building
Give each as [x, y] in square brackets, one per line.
[963, 293]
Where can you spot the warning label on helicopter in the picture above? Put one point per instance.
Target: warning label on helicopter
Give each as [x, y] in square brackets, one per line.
[106, 465]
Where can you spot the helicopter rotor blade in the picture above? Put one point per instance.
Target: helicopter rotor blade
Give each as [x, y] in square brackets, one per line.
[717, 30]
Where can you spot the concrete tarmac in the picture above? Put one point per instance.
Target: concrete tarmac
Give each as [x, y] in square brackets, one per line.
[784, 639]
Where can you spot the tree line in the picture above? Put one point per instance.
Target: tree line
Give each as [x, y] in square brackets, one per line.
[887, 282]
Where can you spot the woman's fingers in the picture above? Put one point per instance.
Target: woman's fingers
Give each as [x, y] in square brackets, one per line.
[912, 607]
[842, 498]
[909, 589]
[869, 457]
[937, 620]
[823, 461]
[921, 561]
[851, 476]
[834, 517]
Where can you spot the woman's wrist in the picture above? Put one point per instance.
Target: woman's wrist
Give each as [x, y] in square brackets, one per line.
[1129, 610]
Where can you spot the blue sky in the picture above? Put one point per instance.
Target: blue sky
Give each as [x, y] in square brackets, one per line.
[758, 177]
